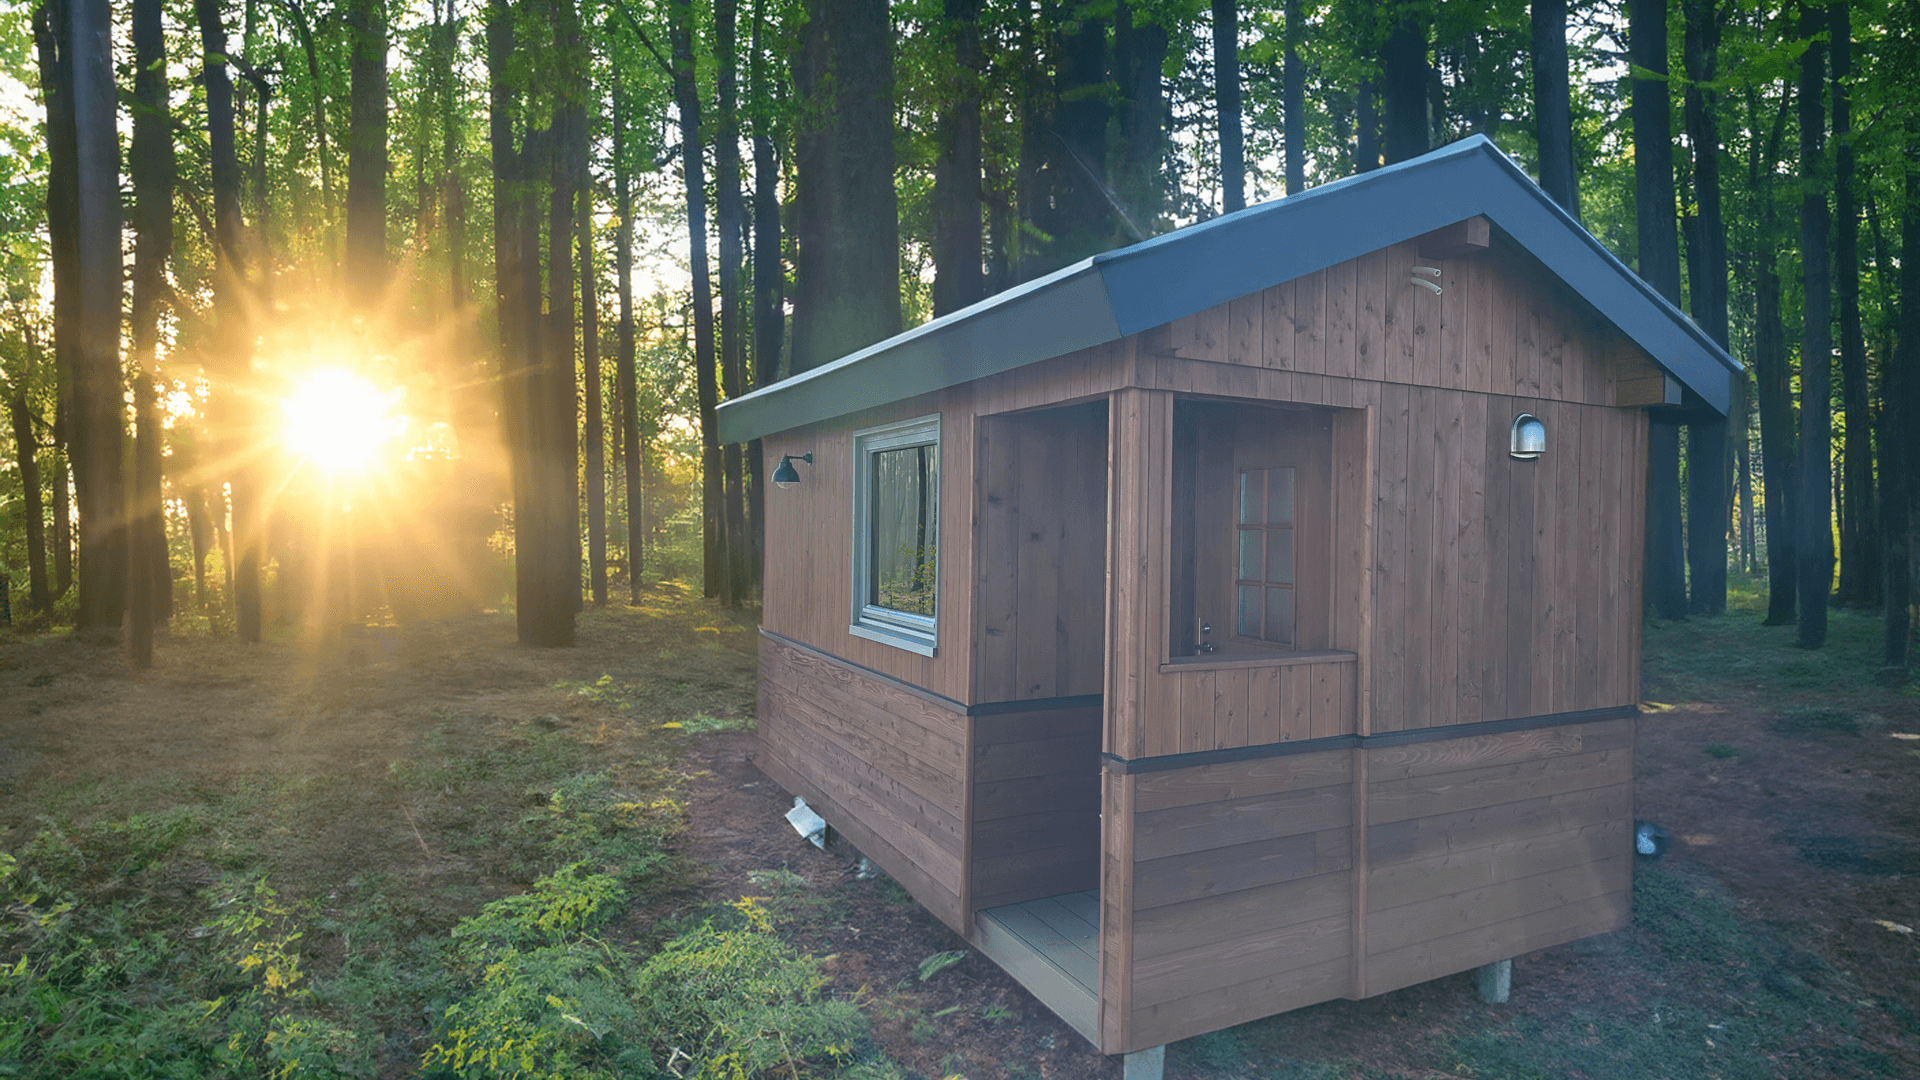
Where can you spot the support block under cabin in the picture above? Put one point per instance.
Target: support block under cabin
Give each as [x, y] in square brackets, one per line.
[1244, 619]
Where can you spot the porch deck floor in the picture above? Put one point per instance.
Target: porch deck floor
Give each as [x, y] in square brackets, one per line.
[1051, 946]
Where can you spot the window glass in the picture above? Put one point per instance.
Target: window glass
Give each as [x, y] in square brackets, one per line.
[1280, 507]
[1247, 618]
[1279, 557]
[1264, 571]
[905, 528]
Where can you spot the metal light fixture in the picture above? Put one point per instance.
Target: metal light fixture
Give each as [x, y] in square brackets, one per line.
[786, 475]
[1529, 437]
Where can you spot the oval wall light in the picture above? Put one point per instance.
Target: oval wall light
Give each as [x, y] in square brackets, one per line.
[1529, 437]
[786, 475]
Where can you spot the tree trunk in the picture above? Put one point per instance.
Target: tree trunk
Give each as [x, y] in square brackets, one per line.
[596, 436]
[152, 165]
[1139, 55]
[1366, 129]
[1553, 105]
[560, 407]
[1816, 346]
[1226, 96]
[367, 151]
[26, 446]
[62, 515]
[769, 284]
[687, 98]
[77, 68]
[231, 345]
[628, 378]
[958, 279]
[1900, 450]
[1294, 102]
[1860, 574]
[1708, 512]
[1406, 74]
[731, 219]
[1666, 582]
[847, 291]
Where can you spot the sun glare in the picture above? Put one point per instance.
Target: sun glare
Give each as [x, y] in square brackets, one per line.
[338, 420]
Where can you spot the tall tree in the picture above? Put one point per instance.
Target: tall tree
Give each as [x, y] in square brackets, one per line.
[1901, 427]
[566, 160]
[686, 95]
[1406, 73]
[26, 452]
[152, 166]
[367, 149]
[846, 212]
[1859, 538]
[590, 378]
[731, 214]
[1294, 102]
[1226, 96]
[1140, 99]
[1553, 104]
[1815, 507]
[1659, 244]
[1772, 374]
[84, 204]
[627, 379]
[769, 275]
[958, 252]
[1708, 512]
[232, 339]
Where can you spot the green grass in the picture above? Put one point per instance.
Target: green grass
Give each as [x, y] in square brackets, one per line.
[259, 922]
[1732, 657]
[1712, 996]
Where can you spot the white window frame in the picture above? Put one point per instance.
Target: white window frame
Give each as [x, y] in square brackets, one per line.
[901, 629]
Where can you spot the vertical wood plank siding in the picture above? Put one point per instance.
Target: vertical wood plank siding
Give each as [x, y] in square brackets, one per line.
[1040, 576]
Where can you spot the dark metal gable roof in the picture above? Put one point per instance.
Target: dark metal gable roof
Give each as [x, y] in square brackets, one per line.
[1112, 295]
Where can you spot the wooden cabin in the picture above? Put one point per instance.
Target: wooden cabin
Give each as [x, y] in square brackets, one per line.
[1243, 619]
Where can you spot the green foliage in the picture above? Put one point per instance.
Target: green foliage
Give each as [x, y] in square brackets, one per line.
[939, 962]
[1720, 750]
[736, 1003]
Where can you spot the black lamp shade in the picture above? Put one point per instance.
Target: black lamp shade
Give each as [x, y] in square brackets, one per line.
[786, 475]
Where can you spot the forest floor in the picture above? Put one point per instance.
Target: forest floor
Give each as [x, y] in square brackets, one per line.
[390, 785]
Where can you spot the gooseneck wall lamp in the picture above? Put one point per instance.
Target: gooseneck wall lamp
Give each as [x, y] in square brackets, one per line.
[786, 475]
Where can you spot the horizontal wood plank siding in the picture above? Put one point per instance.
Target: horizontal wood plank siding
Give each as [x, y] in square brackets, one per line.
[883, 765]
[1036, 805]
[1482, 849]
[1241, 892]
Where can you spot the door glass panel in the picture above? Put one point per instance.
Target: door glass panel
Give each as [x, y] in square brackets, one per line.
[1279, 557]
[1250, 554]
[1251, 483]
[1280, 506]
[1247, 617]
[1280, 616]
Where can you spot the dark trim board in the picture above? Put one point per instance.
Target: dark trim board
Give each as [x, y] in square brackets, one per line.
[1126, 766]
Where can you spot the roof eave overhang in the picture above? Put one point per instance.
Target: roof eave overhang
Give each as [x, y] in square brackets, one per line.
[1140, 287]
